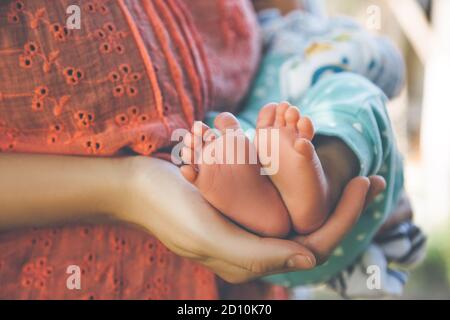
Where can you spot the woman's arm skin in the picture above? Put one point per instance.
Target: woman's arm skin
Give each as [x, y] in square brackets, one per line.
[38, 190]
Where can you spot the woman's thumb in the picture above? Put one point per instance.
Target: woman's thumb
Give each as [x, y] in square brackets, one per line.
[262, 256]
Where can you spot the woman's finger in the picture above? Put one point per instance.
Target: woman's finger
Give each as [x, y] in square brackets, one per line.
[237, 274]
[227, 272]
[259, 256]
[377, 186]
[212, 236]
[323, 241]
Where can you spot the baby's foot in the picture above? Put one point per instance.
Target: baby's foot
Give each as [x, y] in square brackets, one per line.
[239, 191]
[300, 178]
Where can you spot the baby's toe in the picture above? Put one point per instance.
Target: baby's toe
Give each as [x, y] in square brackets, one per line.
[187, 155]
[305, 128]
[226, 121]
[266, 116]
[189, 173]
[305, 148]
[280, 120]
[189, 140]
[292, 116]
[199, 129]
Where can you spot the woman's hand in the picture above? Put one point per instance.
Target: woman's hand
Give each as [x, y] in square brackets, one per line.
[167, 206]
[357, 195]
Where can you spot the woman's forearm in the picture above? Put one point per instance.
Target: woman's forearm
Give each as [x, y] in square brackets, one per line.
[45, 189]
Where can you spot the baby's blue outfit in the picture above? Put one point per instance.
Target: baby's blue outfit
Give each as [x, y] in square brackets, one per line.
[348, 106]
[302, 48]
[341, 77]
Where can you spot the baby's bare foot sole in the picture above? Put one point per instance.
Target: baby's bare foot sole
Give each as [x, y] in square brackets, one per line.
[236, 189]
[300, 178]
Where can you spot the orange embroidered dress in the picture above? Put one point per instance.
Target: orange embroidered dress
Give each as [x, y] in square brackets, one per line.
[135, 71]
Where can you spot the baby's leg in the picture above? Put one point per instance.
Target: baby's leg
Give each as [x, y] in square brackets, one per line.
[236, 189]
[300, 179]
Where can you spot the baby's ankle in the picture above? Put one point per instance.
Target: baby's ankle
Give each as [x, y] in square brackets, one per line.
[339, 164]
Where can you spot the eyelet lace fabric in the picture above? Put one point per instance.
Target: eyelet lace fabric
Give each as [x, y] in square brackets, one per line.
[115, 263]
[134, 72]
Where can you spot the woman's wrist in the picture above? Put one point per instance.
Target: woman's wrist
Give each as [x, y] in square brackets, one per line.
[154, 193]
[112, 187]
[120, 193]
[140, 189]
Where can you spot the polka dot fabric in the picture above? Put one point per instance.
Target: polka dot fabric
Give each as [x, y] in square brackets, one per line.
[135, 71]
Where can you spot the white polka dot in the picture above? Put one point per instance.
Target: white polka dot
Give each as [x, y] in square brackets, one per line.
[377, 215]
[333, 124]
[379, 198]
[338, 252]
[361, 236]
[358, 127]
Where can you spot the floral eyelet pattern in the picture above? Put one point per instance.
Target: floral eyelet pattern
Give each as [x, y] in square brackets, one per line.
[111, 63]
[134, 72]
[39, 274]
